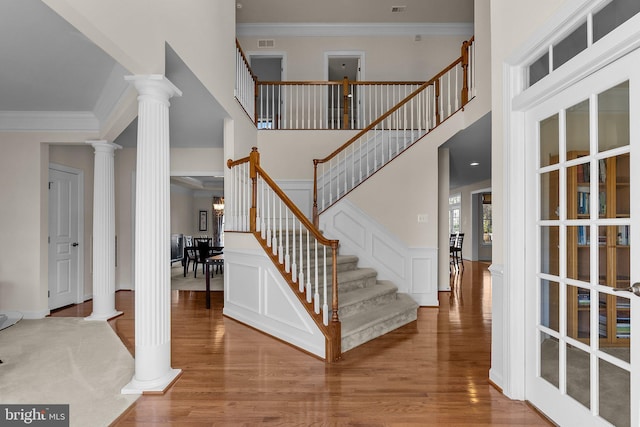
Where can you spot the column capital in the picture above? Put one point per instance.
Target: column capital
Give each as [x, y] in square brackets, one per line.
[155, 86]
[103, 145]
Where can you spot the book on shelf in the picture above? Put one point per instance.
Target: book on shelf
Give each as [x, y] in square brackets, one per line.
[582, 235]
[584, 299]
[623, 235]
[602, 203]
[623, 304]
[583, 202]
[602, 177]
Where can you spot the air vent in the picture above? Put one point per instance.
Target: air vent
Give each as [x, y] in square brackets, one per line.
[266, 43]
[396, 9]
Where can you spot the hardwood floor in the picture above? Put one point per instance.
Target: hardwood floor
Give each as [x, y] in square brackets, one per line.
[431, 372]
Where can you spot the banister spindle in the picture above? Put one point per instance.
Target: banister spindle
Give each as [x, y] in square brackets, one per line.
[316, 295]
[325, 307]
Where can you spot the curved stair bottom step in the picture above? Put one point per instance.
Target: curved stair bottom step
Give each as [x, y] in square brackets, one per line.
[358, 329]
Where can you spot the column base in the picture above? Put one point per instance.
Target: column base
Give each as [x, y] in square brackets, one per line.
[157, 386]
[106, 316]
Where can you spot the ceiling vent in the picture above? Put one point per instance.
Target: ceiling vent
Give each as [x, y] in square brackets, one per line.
[396, 9]
[266, 43]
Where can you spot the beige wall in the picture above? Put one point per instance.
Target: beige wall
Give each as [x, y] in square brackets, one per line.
[24, 172]
[125, 166]
[290, 154]
[81, 157]
[182, 208]
[386, 58]
[508, 31]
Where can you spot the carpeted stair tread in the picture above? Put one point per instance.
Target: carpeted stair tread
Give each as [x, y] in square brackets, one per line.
[346, 278]
[370, 324]
[366, 298]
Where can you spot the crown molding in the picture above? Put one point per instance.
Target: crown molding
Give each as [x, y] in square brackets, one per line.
[71, 121]
[354, 29]
[113, 92]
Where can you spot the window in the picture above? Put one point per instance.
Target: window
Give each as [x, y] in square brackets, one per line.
[487, 226]
[454, 214]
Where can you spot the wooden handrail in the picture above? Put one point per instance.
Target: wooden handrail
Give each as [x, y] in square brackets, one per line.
[246, 62]
[337, 83]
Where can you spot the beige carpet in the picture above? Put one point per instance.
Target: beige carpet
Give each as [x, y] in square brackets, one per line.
[189, 283]
[66, 361]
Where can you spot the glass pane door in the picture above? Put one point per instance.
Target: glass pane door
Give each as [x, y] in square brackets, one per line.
[579, 366]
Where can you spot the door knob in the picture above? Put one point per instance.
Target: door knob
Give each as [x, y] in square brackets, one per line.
[635, 288]
[74, 244]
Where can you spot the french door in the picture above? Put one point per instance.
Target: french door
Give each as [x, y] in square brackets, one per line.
[582, 327]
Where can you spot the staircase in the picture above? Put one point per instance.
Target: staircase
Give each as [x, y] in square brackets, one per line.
[367, 307]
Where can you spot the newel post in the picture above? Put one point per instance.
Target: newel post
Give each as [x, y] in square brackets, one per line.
[315, 194]
[465, 73]
[345, 103]
[254, 160]
[333, 344]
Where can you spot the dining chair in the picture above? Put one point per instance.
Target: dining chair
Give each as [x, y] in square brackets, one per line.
[456, 251]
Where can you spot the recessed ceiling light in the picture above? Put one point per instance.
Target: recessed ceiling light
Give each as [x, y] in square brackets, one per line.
[474, 164]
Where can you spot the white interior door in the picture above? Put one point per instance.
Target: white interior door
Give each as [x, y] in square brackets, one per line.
[64, 250]
[582, 351]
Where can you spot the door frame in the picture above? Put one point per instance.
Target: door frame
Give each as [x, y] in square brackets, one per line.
[80, 174]
[516, 100]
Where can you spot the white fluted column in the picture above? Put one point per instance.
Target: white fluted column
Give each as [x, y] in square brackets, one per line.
[104, 232]
[153, 370]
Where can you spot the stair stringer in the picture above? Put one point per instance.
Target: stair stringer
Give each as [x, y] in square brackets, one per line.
[256, 294]
[413, 270]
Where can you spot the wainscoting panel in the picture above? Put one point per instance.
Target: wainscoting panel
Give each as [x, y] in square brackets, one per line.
[278, 302]
[245, 291]
[413, 270]
[256, 295]
[349, 226]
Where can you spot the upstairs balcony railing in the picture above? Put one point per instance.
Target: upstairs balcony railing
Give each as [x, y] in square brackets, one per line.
[341, 104]
[246, 81]
[304, 257]
[326, 105]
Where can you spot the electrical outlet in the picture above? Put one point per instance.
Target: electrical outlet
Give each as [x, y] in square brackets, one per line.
[422, 218]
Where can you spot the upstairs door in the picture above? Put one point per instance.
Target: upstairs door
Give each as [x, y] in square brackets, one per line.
[64, 244]
[271, 111]
[583, 328]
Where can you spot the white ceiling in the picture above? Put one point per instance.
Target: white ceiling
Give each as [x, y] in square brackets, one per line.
[49, 68]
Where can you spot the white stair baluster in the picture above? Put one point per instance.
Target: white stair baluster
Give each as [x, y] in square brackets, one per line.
[316, 296]
[325, 307]
[301, 275]
[308, 269]
[274, 243]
